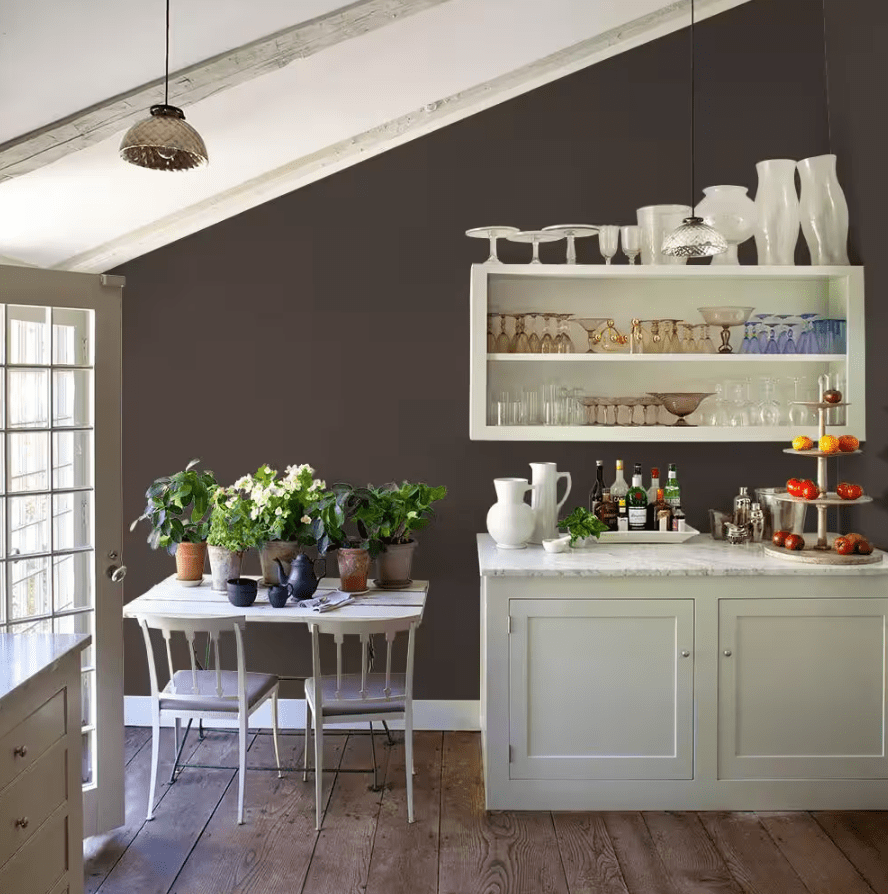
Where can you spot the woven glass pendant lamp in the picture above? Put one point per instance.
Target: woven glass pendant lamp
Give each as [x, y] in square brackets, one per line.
[694, 238]
[165, 141]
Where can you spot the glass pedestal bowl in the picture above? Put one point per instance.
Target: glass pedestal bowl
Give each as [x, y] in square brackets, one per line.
[725, 317]
[680, 403]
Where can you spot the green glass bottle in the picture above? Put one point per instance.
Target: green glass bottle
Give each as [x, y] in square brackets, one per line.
[673, 488]
[636, 502]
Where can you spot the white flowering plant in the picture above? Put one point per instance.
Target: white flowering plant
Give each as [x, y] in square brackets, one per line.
[282, 508]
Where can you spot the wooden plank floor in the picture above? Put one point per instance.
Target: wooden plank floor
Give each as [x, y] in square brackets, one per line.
[194, 845]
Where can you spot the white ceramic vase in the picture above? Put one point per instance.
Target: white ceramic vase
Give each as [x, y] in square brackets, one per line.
[777, 205]
[730, 211]
[824, 210]
[656, 223]
[510, 520]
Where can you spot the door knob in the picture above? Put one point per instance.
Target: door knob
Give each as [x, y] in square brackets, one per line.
[116, 572]
[685, 653]
[727, 653]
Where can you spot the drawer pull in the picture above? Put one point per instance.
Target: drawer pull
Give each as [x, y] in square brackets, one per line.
[22, 822]
[20, 750]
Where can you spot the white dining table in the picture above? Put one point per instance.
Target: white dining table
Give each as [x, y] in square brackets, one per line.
[170, 597]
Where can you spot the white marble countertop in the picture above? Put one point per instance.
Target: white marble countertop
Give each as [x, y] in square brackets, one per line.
[25, 655]
[699, 556]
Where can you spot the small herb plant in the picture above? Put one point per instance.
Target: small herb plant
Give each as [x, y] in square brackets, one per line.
[178, 507]
[231, 524]
[581, 524]
[348, 517]
[405, 508]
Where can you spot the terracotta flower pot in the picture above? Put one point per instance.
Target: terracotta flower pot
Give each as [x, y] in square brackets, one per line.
[394, 563]
[285, 550]
[190, 558]
[224, 565]
[353, 567]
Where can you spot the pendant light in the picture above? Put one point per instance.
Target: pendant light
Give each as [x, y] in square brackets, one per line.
[165, 141]
[694, 238]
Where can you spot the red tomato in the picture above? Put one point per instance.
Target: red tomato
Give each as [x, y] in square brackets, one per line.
[840, 489]
[810, 491]
[794, 487]
[864, 547]
[852, 492]
[843, 546]
[779, 538]
[794, 541]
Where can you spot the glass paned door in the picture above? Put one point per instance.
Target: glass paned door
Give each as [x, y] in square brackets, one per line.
[60, 495]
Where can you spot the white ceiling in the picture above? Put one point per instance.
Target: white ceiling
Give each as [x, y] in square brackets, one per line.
[272, 133]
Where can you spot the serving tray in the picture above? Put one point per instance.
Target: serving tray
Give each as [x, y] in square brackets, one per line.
[648, 536]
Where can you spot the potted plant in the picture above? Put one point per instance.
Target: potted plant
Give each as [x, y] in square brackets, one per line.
[232, 532]
[581, 525]
[405, 508]
[178, 510]
[282, 511]
[348, 519]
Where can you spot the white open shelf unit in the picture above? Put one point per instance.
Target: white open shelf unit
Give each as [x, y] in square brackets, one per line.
[622, 292]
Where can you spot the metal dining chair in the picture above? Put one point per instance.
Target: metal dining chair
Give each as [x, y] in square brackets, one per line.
[206, 694]
[362, 697]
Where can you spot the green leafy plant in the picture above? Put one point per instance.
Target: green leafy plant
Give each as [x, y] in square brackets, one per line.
[405, 508]
[348, 516]
[282, 508]
[581, 524]
[231, 524]
[178, 507]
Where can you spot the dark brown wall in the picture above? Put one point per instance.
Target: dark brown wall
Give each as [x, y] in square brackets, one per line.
[330, 326]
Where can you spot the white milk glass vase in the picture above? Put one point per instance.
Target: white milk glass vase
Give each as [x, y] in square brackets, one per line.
[824, 211]
[777, 205]
[730, 210]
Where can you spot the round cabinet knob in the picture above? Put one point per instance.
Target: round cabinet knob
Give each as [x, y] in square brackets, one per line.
[685, 653]
[20, 750]
[727, 653]
[22, 822]
[116, 572]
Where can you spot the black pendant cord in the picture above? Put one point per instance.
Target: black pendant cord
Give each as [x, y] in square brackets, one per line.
[693, 127]
[166, 71]
[826, 84]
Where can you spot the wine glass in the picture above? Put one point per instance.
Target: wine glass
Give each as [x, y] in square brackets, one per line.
[520, 344]
[688, 345]
[769, 411]
[708, 345]
[563, 343]
[799, 414]
[534, 237]
[762, 333]
[572, 232]
[492, 233]
[547, 343]
[534, 341]
[491, 335]
[631, 238]
[590, 324]
[502, 339]
[608, 241]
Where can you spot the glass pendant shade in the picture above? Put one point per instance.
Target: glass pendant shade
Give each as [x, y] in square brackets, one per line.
[164, 142]
[694, 239]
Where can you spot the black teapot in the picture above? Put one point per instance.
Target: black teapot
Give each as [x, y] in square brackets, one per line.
[302, 581]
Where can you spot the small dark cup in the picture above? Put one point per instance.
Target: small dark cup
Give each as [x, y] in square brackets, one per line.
[278, 596]
[242, 591]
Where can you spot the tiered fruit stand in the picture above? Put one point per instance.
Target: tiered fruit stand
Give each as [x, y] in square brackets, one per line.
[822, 552]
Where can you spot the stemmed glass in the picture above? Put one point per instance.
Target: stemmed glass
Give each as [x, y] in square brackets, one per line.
[750, 344]
[535, 344]
[492, 233]
[502, 340]
[572, 232]
[547, 343]
[771, 347]
[708, 345]
[769, 410]
[535, 237]
[688, 345]
[590, 324]
[631, 238]
[563, 343]
[798, 413]
[611, 339]
[608, 241]
[807, 343]
[762, 335]
[491, 335]
[520, 344]
[671, 343]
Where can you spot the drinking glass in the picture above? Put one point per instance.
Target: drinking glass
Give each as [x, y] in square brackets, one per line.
[547, 343]
[739, 403]
[656, 341]
[748, 338]
[771, 347]
[534, 341]
[563, 343]
[530, 406]
[688, 345]
[631, 239]
[520, 344]
[807, 343]
[798, 414]
[769, 411]
[708, 344]
[491, 335]
[671, 343]
[502, 339]
[762, 333]
[608, 241]
[590, 324]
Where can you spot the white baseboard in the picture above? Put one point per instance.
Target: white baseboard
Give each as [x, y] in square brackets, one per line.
[429, 714]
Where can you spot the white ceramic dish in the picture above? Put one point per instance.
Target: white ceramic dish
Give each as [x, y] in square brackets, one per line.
[556, 544]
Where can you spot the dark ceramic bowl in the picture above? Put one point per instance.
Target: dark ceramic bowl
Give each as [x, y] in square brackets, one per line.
[278, 596]
[242, 591]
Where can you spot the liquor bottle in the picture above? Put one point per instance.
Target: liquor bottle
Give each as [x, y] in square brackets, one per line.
[678, 519]
[597, 493]
[619, 488]
[659, 514]
[623, 516]
[742, 505]
[636, 502]
[607, 510]
[655, 485]
[672, 491]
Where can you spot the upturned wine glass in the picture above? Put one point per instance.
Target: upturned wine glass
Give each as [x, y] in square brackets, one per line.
[563, 343]
[534, 340]
[502, 339]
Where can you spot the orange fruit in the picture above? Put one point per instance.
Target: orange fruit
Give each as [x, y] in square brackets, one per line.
[802, 442]
[829, 444]
[847, 443]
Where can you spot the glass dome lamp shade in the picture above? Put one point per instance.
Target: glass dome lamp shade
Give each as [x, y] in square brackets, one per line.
[694, 239]
[164, 142]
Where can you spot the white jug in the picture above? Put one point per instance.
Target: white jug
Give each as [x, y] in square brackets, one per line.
[510, 519]
[544, 500]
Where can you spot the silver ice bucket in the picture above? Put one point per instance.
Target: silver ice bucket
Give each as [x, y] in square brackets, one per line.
[780, 515]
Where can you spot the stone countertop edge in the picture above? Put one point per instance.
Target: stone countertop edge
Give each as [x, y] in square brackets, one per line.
[24, 656]
[701, 556]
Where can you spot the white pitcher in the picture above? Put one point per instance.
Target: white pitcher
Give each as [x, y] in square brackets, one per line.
[544, 500]
[510, 520]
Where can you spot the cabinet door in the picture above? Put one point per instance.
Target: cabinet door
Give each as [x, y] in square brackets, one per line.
[802, 688]
[600, 689]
